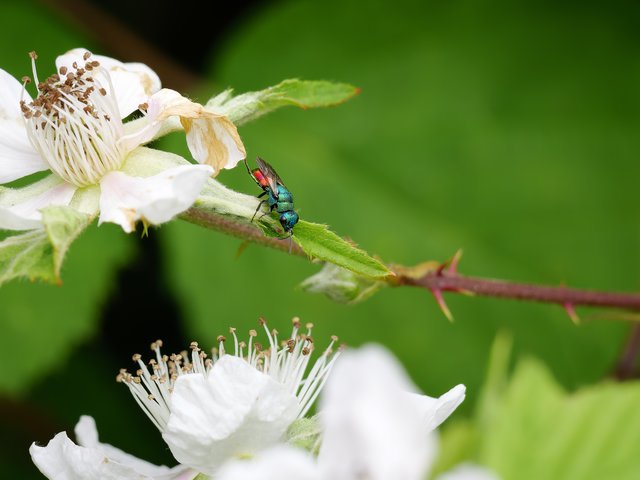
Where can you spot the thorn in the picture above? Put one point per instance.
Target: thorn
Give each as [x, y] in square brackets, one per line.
[442, 304]
[450, 265]
[243, 246]
[453, 264]
[572, 313]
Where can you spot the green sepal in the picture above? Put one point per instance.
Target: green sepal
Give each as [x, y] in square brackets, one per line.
[305, 433]
[321, 243]
[39, 254]
[63, 225]
[26, 255]
[342, 285]
[299, 93]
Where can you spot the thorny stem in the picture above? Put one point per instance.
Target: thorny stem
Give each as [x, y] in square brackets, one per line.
[442, 279]
[564, 296]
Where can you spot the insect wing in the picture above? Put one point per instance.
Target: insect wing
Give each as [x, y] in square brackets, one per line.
[271, 176]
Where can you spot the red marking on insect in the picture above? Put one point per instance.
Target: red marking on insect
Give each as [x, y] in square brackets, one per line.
[260, 178]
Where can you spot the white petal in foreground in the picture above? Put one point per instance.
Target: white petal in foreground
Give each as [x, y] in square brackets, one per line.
[133, 83]
[468, 471]
[20, 207]
[277, 463]
[61, 459]
[373, 429]
[232, 411]
[125, 200]
[18, 158]
[434, 411]
[212, 139]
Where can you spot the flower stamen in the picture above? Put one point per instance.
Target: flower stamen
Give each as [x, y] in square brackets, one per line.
[286, 363]
[74, 123]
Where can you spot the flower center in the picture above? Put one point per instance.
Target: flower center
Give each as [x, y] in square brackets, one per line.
[74, 122]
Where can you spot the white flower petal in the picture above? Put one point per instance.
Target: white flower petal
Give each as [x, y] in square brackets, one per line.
[372, 428]
[234, 410]
[434, 411]
[87, 436]
[156, 199]
[160, 106]
[133, 83]
[62, 459]
[468, 471]
[212, 139]
[277, 463]
[18, 158]
[20, 207]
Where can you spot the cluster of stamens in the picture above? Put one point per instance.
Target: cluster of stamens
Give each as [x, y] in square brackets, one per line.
[74, 123]
[284, 361]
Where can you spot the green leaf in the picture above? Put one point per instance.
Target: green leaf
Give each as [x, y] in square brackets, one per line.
[342, 285]
[41, 322]
[543, 432]
[299, 93]
[321, 243]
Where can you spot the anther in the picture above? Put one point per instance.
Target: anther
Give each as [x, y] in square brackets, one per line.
[136, 357]
[33, 55]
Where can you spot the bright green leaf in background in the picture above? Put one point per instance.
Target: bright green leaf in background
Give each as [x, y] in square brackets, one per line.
[526, 426]
[542, 432]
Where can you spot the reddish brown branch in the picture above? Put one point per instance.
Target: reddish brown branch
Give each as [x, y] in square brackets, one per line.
[564, 296]
[238, 229]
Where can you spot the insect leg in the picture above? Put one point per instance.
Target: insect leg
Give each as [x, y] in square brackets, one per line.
[258, 208]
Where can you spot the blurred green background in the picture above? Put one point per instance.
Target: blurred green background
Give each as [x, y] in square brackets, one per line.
[508, 129]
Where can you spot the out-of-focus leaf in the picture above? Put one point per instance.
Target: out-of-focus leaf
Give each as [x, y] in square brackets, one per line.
[299, 93]
[543, 432]
[321, 243]
[41, 322]
[342, 285]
